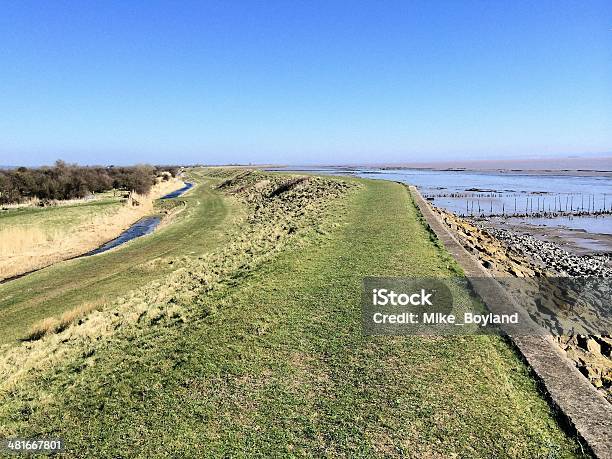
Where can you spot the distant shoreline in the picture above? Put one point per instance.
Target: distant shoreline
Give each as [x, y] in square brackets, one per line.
[569, 166]
[562, 172]
[373, 170]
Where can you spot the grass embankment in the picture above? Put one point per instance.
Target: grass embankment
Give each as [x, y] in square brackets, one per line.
[257, 348]
[35, 237]
[102, 278]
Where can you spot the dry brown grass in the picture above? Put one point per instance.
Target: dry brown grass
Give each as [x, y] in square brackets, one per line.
[29, 247]
[57, 325]
[14, 240]
[41, 328]
[36, 202]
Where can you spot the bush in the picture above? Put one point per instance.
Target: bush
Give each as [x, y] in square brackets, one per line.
[70, 181]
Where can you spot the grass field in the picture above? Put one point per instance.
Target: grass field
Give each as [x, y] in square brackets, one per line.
[59, 217]
[254, 343]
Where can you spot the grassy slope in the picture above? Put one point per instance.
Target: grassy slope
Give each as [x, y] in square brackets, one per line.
[282, 366]
[103, 277]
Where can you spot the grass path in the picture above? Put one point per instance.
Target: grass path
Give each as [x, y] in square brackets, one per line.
[104, 277]
[281, 366]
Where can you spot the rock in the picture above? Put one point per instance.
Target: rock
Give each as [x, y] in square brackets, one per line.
[590, 373]
[593, 346]
[605, 344]
[589, 344]
[503, 251]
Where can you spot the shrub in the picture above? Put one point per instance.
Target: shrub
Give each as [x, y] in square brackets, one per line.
[69, 181]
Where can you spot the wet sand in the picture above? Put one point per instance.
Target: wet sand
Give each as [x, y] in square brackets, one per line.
[575, 166]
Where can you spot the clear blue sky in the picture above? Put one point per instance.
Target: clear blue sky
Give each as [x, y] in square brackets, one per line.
[302, 82]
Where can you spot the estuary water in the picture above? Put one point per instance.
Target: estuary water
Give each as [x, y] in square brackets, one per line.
[578, 200]
[570, 201]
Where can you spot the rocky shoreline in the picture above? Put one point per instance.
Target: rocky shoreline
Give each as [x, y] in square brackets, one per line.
[505, 252]
[552, 257]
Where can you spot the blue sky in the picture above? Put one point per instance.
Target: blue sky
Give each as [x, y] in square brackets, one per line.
[303, 82]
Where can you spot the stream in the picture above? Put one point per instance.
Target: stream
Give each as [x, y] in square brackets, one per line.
[142, 227]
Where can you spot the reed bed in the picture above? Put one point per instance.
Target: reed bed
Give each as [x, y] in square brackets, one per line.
[36, 202]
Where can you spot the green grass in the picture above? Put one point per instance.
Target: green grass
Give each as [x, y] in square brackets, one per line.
[58, 217]
[104, 277]
[270, 359]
